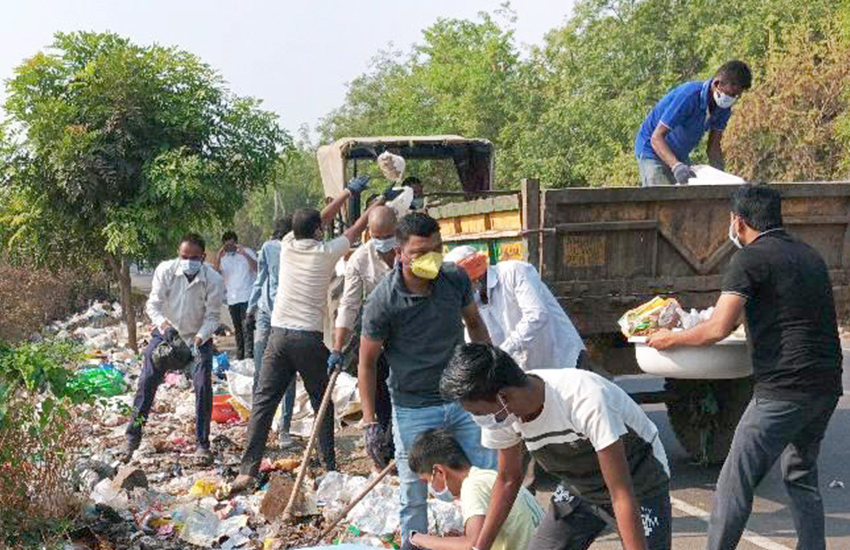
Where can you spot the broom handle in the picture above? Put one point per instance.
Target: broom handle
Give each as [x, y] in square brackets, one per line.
[320, 415]
[356, 501]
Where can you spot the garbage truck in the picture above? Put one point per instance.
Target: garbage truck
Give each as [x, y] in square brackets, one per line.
[605, 250]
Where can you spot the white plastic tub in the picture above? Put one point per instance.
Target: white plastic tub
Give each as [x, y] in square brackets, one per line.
[728, 358]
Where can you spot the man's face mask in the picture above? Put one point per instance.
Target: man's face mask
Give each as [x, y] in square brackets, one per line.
[190, 266]
[384, 246]
[493, 421]
[440, 494]
[427, 266]
[733, 235]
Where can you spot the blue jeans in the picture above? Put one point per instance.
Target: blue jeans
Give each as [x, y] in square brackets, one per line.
[261, 337]
[790, 431]
[654, 173]
[410, 422]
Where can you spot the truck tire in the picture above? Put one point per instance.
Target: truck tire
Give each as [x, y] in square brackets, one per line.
[705, 413]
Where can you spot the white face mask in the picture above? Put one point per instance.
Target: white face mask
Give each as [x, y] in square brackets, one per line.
[724, 101]
[444, 494]
[384, 246]
[490, 422]
[190, 267]
[733, 236]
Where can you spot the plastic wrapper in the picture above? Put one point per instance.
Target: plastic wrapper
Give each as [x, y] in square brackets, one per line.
[656, 314]
[376, 514]
[391, 165]
[200, 526]
[104, 380]
[690, 319]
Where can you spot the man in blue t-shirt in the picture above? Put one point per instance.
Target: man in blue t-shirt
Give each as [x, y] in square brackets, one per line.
[677, 123]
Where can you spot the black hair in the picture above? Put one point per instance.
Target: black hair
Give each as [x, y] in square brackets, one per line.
[410, 181]
[305, 223]
[736, 72]
[418, 224]
[760, 206]
[477, 372]
[282, 226]
[194, 238]
[229, 236]
[436, 446]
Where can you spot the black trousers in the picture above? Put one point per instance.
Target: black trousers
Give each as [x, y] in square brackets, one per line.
[150, 379]
[287, 352]
[242, 332]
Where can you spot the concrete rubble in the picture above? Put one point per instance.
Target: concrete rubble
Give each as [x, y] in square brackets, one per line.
[165, 499]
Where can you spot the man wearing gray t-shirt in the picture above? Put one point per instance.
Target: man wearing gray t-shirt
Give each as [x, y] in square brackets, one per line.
[416, 314]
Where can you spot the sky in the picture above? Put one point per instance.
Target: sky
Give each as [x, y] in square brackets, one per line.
[297, 56]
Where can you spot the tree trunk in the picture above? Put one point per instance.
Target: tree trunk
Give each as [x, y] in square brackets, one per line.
[127, 304]
[276, 203]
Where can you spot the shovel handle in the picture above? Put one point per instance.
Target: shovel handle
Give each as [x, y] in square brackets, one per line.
[355, 502]
[320, 415]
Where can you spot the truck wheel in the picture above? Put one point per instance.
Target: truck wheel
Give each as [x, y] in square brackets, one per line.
[705, 413]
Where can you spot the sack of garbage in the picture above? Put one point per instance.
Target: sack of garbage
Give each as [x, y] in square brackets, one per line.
[172, 353]
[656, 314]
[392, 166]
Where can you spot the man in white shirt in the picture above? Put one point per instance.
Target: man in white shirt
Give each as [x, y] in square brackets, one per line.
[296, 342]
[238, 265]
[579, 427]
[186, 297]
[363, 271]
[521, 314]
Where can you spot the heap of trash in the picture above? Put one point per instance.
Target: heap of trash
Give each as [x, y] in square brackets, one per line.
[164, 498]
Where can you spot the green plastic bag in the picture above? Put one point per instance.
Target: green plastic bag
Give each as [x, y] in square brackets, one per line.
[103, 380]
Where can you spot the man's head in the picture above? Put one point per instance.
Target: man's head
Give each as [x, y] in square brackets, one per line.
[307, 224]
[229, 240]
[438, 459]
[416, 184]
[486, 381]
[282, 227]
[382, 222]
[191, 254]
[755, 209]
[731, 80]
[419, 245]
[473, 262]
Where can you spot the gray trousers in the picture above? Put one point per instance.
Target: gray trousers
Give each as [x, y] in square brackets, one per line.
[654, 173]
[769, 430]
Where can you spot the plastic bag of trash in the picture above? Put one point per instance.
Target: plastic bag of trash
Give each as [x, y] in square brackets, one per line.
[391, 165]
[200, 526]
[103, 380]
[445, 519]
[656, 314]
[690, 319]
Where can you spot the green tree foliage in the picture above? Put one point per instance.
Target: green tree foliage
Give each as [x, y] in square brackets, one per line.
[122, 148]
[568, 111]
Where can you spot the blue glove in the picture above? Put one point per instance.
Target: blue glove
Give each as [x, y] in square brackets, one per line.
[334, 361]
[358, 184]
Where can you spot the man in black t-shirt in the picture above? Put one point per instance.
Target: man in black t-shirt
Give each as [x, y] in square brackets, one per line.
[782, 286]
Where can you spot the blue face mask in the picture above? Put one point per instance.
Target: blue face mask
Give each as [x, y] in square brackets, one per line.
[384, 245]
[190, 267]
[445, 495]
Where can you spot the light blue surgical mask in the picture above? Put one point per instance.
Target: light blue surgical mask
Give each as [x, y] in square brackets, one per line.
[190, 267]
[385, 245]
[444, 494]
[492, 422]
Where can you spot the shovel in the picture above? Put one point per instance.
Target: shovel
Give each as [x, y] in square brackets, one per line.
[317, 423]
[354, 502]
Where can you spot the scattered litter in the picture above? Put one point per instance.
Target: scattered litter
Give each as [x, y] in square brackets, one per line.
[836, 484]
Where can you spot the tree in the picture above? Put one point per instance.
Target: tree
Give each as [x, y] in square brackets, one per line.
[123, 148]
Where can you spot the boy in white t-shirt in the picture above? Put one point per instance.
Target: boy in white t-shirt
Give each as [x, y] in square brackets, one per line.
[577, 426]
[438, 459]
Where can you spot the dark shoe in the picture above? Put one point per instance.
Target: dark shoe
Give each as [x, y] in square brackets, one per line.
[204, 456]
[130, 446]
[243, 483]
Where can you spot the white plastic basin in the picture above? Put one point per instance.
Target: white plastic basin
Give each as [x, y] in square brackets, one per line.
[728, 358]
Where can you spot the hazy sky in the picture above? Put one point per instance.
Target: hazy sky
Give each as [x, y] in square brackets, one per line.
[295, 56]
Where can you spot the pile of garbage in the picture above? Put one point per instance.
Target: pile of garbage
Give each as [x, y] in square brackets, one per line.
[663, 313]
[165, 498]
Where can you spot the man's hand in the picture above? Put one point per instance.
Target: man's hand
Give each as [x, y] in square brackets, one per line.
[377, 443]
[358, 184]
[662, 339]
[251, 321]
[334, 361]
[682, 172]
